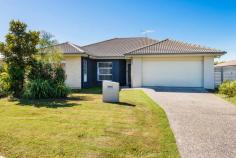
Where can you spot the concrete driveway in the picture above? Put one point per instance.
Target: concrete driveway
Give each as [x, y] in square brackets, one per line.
[204, 125]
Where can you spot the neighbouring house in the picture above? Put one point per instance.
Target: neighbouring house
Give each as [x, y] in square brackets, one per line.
[225, 71]
[139, 62]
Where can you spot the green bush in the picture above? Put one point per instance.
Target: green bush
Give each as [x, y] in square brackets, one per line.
[228, 88]
[46, 81]
[43, 89]
[60, 90]
[59, 76]
[4, 82]
[38, 89]
[41, 70]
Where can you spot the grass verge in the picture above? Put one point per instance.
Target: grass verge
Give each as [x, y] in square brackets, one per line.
[84, 126]
[229, 99]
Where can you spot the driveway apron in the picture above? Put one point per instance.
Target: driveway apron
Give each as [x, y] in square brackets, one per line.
[204, 125]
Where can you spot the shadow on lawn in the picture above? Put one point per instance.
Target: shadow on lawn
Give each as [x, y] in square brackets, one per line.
[93, 90]
[80, 98]
[72, 100]
[124, 104]
[48, 103]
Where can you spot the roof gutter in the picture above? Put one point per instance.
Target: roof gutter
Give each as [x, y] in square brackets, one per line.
[76, 54]
[108, 57]
[174, 54]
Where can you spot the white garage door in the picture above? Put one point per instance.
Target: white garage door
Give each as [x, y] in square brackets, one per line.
[173, 72]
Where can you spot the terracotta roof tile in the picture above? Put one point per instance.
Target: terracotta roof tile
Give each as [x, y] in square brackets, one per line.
[117, 47]
[69, 48]
[174, 47]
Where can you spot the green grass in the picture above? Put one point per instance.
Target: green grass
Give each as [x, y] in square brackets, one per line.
[229, 99]
[84, 126]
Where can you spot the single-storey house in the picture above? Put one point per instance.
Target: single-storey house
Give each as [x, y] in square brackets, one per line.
[139, 62]
[225, 71]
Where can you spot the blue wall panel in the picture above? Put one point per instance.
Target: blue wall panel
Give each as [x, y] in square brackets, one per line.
[118, 72]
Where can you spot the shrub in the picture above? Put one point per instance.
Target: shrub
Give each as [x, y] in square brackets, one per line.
[59, 75]
[228, 88]
[61, 90]
[38, 89]
[43, 89]
[4, 82]
[46, 81]
[40, 70]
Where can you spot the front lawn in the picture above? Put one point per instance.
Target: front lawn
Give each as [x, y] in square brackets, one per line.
[84, 126]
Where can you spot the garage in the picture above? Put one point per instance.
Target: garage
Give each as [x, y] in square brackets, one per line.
[172, 63]
[173, 72]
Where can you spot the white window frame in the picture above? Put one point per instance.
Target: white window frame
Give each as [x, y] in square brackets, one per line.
[98, 73]
[85, 66]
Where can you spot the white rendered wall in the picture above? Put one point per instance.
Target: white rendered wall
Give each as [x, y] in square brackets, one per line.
[208, 70]
[73, 71]
[136, 72]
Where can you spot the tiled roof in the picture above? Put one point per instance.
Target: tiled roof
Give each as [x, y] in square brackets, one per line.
[227, 63]
[69, 48]
[116, 47]
[119, 47]
[66, 48]
[174, 47]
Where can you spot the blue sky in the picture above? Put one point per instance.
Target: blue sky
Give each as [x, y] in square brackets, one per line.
[206, 22]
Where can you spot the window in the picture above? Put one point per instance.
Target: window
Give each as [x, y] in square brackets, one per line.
[85, 71]
[104, 71]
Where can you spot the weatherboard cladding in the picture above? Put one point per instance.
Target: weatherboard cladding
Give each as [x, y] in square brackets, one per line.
[173, 47]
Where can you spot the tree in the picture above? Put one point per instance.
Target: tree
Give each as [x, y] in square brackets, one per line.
[48, 53]
[46, 78]
[19, 52]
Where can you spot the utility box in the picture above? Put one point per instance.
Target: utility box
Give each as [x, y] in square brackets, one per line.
[110, 91]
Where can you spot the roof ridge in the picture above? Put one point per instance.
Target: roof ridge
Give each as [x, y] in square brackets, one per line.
[195, 45]
[133, 37]
[100, 42]
[148, 45]
[115, 39]
[76, 47]
[177, 46]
